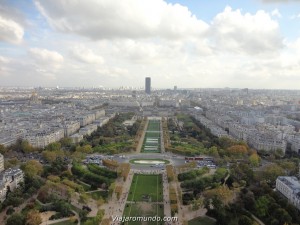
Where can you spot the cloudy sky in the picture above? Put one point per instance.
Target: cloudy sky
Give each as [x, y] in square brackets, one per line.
[113, 43]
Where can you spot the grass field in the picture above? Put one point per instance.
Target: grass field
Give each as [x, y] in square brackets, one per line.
[153, 125]
[202, 221]
[138, 205]
[145, 210]
[144, 184]
[152, 142]
[67, 222]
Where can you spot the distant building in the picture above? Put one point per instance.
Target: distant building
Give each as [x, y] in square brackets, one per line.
[76, 138]
[34, 99]
[290, 188]
[175, 88]
[133, 94]
[148, 85]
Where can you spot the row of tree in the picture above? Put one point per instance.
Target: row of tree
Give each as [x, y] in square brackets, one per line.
[90, 177]
[192, 174]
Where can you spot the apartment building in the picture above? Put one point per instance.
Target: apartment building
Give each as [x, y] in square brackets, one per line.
[42, 139]
[10, 178]
[290, 188]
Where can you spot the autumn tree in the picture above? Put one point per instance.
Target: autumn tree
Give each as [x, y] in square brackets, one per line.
[237, 150]
[33, 217]
[254, 159]
[32, 168]
[223, 193]
[87, 149]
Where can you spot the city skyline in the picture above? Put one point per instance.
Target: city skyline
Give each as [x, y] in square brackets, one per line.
[253, 44]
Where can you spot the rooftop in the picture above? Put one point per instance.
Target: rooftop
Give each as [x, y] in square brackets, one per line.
[292, 182]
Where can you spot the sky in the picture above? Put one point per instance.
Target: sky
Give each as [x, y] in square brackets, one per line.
[187, 43]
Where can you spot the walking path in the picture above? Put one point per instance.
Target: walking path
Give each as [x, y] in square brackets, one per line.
[162, 147]
[167, 207]
[141, 141]
[47, 222]
[116, 207]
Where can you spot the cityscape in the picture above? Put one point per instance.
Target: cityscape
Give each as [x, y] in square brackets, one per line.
[149, 112]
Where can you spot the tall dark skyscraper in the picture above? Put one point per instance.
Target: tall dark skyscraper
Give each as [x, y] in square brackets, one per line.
[148, 85]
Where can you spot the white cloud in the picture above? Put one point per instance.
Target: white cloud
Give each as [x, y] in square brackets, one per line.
[113, 72]
[83, 54]
[246, 33]
[98, 19]
[276, 13]
[45, 63]
[4, 66]
[45, 56]
[4, 60]
[10, 31]
[118, 43]
[294, 16]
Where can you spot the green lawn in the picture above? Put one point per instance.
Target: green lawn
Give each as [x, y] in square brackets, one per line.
[144, 184]
[202, 221]
[67, 222]
[152, 126]
[138, 210]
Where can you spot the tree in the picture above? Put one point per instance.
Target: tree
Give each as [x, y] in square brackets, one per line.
[237, 150]
[254, 159]
[3, 150]
[262, 206]
[33, 217]
[63, 207]
[66, 142]
[289, 167]
[279, 153]
[223, 193]
[16, 219]
[225, 142]
[32, 168]
[84, 149]
[51, 156]
[55, 146]
[11, 163]
[197, 203]
[282, 215]
[242, 172]
[213, 151]
[83, 198]
[26, 147]
[245, 220]
[271, 172]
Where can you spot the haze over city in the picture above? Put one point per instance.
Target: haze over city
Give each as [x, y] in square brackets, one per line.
[193, 44]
